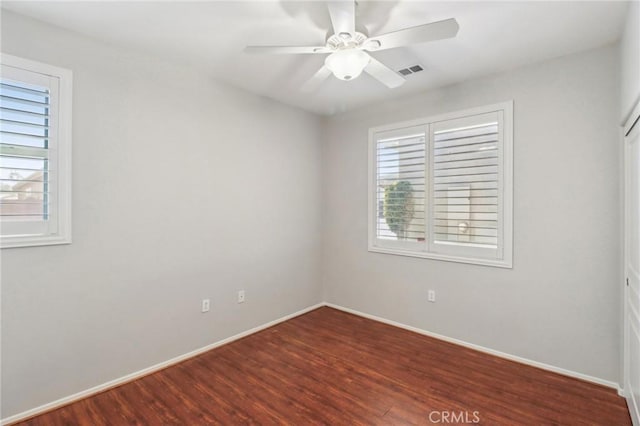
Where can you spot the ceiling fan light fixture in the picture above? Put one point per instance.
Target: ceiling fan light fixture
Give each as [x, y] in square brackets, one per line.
[347, 64]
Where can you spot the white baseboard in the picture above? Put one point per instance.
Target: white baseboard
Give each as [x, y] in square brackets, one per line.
[499, 354]
[146, 371]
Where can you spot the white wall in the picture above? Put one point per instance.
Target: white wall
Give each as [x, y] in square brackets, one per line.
[182, 189]
[559, 304]
[630, 60]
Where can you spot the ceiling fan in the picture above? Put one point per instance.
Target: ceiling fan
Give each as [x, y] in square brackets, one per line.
[347, 48]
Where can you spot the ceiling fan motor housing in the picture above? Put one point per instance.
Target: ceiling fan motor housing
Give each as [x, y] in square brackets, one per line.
[345, 40]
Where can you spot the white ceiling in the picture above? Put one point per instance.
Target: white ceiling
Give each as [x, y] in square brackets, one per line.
[493, 37]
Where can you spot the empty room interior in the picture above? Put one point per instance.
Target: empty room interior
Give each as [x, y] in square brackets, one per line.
[320, 212]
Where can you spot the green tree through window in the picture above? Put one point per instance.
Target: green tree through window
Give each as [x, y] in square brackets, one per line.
[398, 207]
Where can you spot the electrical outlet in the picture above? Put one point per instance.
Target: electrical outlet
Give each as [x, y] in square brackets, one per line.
[241, 296]
[431, 296]
[206, 304]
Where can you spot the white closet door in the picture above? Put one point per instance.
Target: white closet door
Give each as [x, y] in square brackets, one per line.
[632, 267]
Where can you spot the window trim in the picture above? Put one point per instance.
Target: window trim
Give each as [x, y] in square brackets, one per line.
[507, 182]
[62, 152]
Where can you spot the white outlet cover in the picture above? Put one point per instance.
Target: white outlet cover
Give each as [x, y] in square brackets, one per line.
[241, 296]
[206, 305]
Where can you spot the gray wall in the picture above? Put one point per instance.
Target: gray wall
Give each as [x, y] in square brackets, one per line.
[559, 304]
[182, 189]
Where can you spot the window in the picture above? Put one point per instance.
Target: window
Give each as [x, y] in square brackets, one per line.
[35, 153]
[441, 187]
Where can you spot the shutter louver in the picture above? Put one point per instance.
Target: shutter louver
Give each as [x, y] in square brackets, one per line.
[466, 184]
[400, 192]
[24, 151]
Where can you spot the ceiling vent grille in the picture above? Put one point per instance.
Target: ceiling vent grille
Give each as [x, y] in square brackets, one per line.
[410, 70]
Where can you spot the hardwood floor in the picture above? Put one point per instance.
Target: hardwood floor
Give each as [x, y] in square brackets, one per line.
[330, 367]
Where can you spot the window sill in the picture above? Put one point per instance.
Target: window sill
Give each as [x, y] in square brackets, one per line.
[33, 241]
[497, 263]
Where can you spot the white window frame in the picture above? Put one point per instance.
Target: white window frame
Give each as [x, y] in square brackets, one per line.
[462, 254]
[58, 231]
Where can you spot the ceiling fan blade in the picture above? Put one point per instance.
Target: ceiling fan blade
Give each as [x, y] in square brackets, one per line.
[384, 74]
[314, 82]
[287, 49]
[343, 16]
[420, 34]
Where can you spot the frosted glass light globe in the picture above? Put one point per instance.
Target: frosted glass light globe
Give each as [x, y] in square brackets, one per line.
[347, 64]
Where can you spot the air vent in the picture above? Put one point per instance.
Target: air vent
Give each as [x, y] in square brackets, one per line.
[410, 70]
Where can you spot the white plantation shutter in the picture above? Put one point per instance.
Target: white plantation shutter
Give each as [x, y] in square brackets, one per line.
[400, 187]
[33, 170]
[467, 185]
[24, 151]
[458, 170]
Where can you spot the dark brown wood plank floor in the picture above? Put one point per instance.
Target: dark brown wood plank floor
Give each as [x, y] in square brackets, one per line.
[330, 367]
